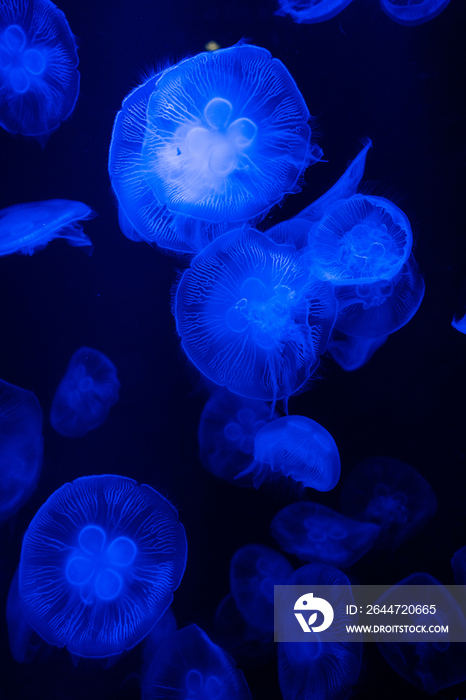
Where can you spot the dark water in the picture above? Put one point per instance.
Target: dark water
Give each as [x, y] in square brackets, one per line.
[361, 75]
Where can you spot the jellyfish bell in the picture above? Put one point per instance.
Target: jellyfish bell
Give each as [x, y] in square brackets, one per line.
[412, 13]
[311, 11]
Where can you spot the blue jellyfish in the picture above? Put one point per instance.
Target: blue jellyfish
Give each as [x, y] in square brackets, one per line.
[391, 494]
[296, 447]
[39, 80]
[378, 309]
[191, 667]
[458, 563]
[85, 394]
[21, 447]
[353, 353]
[433, 665]
[250, 318]
[317, 533]
[360, 240]
[459, 323]
[227, 429]
[209, 143]
[25, 228]
[254, 571]
[318, 670]
[99, 564]
[311, 11]
[412, 12]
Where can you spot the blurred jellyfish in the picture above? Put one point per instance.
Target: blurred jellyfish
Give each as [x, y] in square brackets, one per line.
[25, 228]
[317, 533]
[209, 143]
[85, 394]
[227, 429]
[434, 665]
[458, 563]
[378, 309]
[319, 670]
[296, 447]
[250, 318]
[39, 80]
[353, 353]
[99, 564]
[459, 323]
[311, 11]
[359, 241]
[254, 571]
[391, 494]
[412, 12]
[21, 447]
[191, 666]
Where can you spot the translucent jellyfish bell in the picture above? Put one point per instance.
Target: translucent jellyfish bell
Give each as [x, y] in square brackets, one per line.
[353, 353]
[312, 11]
[412, 13]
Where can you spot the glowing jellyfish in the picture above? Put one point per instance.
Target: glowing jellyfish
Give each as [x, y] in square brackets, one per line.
[317, 533]
[21, 447]
[99, 564]
[378, 309]
[250, 318]
[459, 323]
[191, 666]
[391, 494]
[353, 353]
[412, 12]
[318, 670]
[360, 240]
[254, 571]
[211, 142]
[296, 447]
[312, 11]
[25, 228]
[86, 393]
[39, 80]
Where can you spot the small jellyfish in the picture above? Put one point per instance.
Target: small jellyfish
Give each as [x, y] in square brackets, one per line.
[99, 564]
[296, 447]
[25, 228]
[459, 323]
[21, 447]
[311, 11]
[254, 571]
[360, 240]
[39, 80]
[412, 12]
[391, 494]
[206, 145]
[85, 394]
[191, 667]
[227, 429]
[353, 353]
[250, 318]
[317, 533]
[383, 307]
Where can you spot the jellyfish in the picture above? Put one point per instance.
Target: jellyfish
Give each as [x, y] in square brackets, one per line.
[99, 563]
[360, 240]
[190, 666]
[383, 307]
[311, 11]
[25, 228]
[459, 323]
[317, 533]
[296, 447]
[85, 394]
[21, 447]
[412, 12]
[390, 494]
[430, 665]
[250, 318]
[254, 571]
[321, 670]
[206, 145]
[353, 353]
[458, 563]
[227, 429]
[39, 80]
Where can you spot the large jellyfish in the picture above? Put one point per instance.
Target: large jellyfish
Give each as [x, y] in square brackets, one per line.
[311, 11]
[412, 12]
[250, 318]
[39, 80]
[86, 393]
[209, 143]
[190, 666]
[21, 447]
[391, 494]
[353, 353]
[25, 228]
[99, 564]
